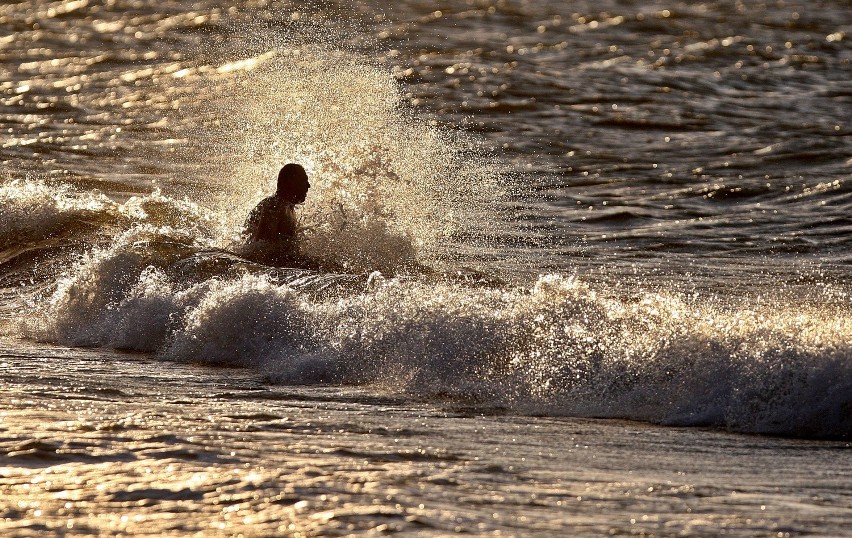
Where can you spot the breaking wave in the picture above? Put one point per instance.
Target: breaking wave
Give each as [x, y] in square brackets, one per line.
[559, 346]
[392, 196]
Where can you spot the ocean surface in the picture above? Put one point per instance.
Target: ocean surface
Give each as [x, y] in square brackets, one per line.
[578, 268]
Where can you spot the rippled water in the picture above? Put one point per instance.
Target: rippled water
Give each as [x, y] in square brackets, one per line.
[672, 137]
[125, 446]
[633, 210]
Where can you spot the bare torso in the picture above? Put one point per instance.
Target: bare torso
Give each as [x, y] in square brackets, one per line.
[274, 220]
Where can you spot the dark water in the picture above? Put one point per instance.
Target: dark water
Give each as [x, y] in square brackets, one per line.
[678, 172]
[674, 137]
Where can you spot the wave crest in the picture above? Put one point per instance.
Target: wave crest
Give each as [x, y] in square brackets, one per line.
[559, 347]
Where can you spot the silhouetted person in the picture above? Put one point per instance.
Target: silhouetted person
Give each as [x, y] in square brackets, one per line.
[273, 220]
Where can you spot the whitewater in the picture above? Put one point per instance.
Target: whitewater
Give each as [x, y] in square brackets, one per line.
[572, 271]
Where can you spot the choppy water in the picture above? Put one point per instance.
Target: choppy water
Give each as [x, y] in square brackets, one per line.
[633, 210]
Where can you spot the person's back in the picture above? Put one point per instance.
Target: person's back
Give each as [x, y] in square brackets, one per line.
[273, 219]
[272, 227]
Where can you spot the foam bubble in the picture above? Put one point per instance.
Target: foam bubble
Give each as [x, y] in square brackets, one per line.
[246, 322]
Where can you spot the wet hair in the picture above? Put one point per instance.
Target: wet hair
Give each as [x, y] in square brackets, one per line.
[293, 182]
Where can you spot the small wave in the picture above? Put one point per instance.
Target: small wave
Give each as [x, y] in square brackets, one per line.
[619, 216]
[650, 124]
[34, 211]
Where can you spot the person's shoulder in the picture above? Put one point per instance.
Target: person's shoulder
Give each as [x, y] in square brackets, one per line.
[268, 202]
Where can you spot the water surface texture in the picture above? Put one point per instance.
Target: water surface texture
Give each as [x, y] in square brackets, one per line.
[525, 217]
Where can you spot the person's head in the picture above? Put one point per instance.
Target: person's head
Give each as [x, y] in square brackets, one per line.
[293, 183]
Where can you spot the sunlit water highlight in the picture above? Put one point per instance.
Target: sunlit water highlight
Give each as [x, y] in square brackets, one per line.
[633, 212]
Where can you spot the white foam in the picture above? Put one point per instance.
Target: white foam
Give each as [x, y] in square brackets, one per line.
[560, 347]
[32, 210]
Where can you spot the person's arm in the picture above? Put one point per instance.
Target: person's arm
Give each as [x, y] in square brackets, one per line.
[252, 224]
